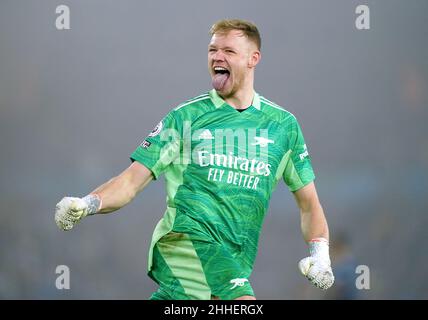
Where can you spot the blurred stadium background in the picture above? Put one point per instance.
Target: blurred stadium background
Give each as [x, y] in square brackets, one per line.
[75, 103]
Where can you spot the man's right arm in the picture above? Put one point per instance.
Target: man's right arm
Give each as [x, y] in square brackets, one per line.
[110, 196]
[120, 190]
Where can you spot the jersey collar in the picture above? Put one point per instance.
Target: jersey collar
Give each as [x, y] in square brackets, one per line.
[218, 101]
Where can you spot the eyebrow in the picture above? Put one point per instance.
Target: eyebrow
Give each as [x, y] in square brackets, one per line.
[225, 48]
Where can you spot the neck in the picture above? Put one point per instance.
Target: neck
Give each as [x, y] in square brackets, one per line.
[242, 98]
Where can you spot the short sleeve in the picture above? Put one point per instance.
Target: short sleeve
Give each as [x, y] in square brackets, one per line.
[161, 147]
[298, 170]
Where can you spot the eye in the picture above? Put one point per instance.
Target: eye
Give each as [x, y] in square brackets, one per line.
[229, 51]
[212, 50]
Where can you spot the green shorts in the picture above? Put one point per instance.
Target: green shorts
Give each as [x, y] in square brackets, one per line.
[186, 269]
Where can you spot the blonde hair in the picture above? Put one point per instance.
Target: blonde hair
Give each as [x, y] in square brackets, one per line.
[248, 28]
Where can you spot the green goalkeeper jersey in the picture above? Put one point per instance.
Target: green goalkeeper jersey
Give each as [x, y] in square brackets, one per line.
[221, 167]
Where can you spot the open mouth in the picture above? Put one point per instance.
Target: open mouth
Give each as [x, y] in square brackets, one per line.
[221, 70]
[221, 75]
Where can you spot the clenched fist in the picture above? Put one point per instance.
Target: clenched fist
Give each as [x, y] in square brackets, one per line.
[71, 210]
[317, 267]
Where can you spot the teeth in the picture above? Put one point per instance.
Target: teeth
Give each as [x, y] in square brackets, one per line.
[220, 69]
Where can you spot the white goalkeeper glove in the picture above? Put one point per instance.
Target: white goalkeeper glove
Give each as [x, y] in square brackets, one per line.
[317, 267]
[70, 210]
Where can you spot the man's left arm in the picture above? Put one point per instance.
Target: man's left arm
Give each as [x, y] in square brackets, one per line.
[316, 267]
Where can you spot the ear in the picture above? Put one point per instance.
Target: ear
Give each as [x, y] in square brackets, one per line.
[254, 58]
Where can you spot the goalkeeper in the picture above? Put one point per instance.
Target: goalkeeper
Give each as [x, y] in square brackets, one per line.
[222, 155]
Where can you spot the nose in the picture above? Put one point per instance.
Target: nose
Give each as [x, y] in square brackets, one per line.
[218, 56]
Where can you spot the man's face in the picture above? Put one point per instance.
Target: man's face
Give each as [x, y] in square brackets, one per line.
[230, 60]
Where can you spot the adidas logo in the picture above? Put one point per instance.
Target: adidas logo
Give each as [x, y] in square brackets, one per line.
[206, 134]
